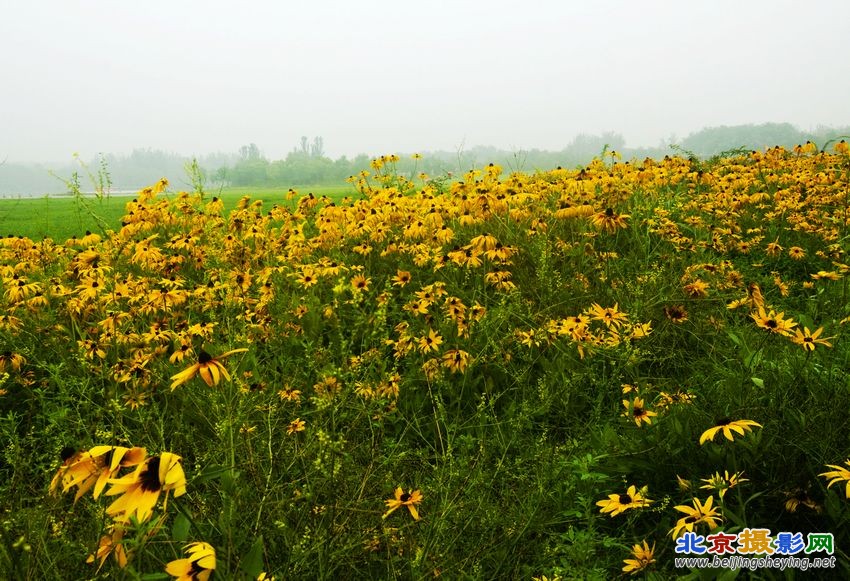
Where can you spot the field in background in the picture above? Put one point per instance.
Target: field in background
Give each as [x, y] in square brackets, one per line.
[61, 217]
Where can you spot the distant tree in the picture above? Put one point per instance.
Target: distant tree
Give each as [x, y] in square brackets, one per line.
[584, 145]
[221, 175]
[318, 147]
[250, 172]
[713, 140]
[249, 152]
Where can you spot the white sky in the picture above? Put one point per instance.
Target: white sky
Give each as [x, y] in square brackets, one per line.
[378, 77]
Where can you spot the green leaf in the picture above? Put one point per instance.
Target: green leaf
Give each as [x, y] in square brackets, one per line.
[211, 472]
[753, 359]
[759, 382]
[228, 480]
[252, 564]
[180, 528]
[728, 574]
[734, 338]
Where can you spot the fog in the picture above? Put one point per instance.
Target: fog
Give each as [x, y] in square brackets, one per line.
[382, 77]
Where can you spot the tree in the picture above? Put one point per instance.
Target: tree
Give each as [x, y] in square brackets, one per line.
[318, 147]
[249, 152]
[221, 175]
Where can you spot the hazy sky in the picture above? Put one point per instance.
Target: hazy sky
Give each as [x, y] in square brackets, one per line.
[381, 77]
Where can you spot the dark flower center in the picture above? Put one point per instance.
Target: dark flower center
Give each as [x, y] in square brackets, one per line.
[405, 497]
[67, 452]
[625, 499]
[149, 477]
[772, 323]
[204, 357]
[724, 421]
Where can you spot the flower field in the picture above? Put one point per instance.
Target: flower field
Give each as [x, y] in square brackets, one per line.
[530, 375]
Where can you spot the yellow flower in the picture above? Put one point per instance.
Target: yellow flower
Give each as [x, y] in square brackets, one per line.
[110, 544]
[676, 313]
[696, 289]
[643, 558]
[208, 367]
[295, 426]
[140, 490]
[402, 498]
[401, 278]
[728, 426]
[290, 394]
[619, 503]
[722, 483]
[308, 277]
[666, 400]
[808, 340]
[608, 220]
[180, 354]
[698, 513]
[611, 316]
[637, 411]
[773, 249]
[774, 322]
[567, 211]
[360, 282]
[430, 342]
[456, 360]
[838, 475]
[640, 330]
[826, 275]
[754, 296]
[796, 253]
[798, 497]
[198, 566]
[94, 468]
[12, 360]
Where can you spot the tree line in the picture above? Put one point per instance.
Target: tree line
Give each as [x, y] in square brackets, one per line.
[308, 164]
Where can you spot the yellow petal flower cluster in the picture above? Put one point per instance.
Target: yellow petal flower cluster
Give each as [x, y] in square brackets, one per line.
[137, 491]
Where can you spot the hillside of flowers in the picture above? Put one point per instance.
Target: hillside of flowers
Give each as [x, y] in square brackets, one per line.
[489, 376]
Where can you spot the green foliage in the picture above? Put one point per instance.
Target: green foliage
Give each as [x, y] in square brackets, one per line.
[293, 463]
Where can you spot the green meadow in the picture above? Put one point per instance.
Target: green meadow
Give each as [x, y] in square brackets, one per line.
[63, 216]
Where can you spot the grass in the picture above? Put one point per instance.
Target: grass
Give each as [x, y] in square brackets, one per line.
[61, 217]
[501, 377]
